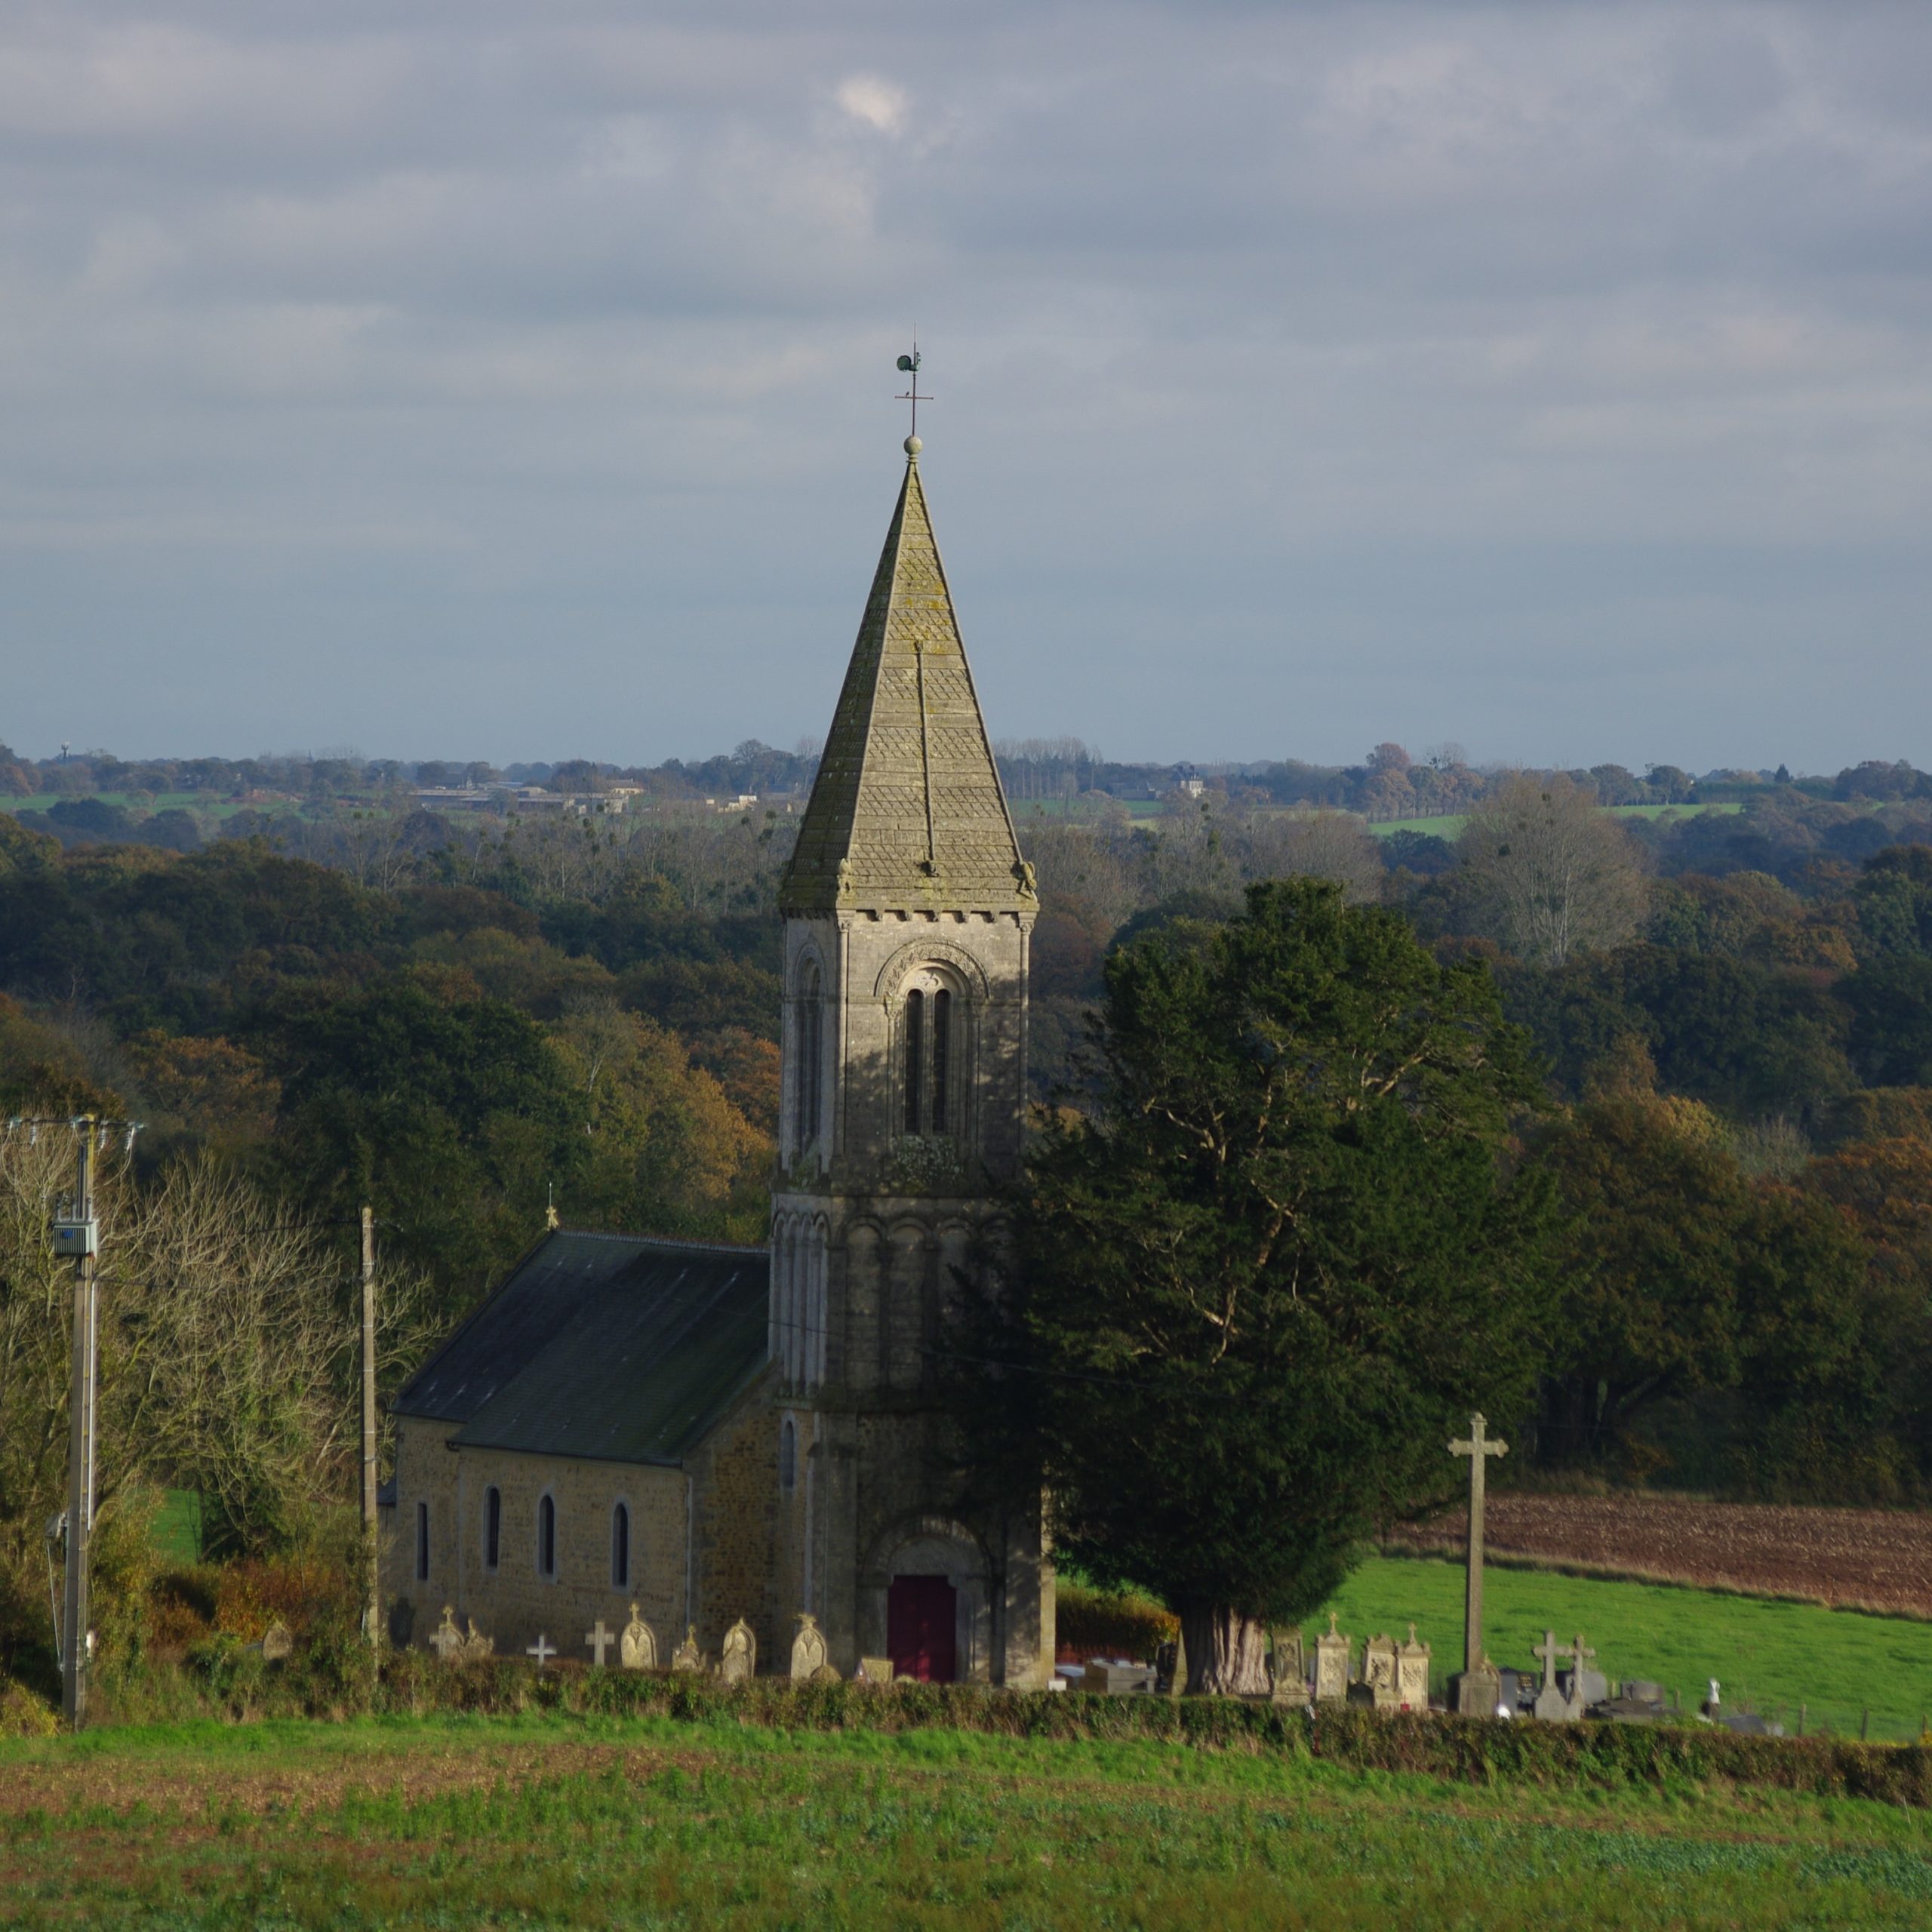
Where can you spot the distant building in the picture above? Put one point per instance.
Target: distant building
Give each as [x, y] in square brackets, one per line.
[714, 1432]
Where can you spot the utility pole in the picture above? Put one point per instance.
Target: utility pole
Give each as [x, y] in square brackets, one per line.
[83, 1241]
[372, 1589]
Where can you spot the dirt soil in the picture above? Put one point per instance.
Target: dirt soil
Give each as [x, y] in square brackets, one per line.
[1863, 1559]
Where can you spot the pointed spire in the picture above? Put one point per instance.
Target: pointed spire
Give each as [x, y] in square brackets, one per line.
[907, 813]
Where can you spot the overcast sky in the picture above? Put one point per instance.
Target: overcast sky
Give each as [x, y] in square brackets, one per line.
[475, 380]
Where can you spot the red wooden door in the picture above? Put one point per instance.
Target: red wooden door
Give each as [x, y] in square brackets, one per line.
[921, 1621]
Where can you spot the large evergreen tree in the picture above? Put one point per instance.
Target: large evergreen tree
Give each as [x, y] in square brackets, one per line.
[1284, 1255]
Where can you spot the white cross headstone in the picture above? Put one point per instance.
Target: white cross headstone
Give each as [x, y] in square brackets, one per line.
[599, 1640]
[540, 1650]
[446, 1640]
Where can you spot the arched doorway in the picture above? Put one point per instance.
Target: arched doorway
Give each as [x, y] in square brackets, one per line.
[922, 1627]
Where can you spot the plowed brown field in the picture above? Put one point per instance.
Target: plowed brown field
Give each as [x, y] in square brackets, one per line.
[1865, 1559]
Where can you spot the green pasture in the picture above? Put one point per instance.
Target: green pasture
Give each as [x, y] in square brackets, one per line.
[552, 1821]
[1776, 1655]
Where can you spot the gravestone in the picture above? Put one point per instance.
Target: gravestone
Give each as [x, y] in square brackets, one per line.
[1552, 1706]
[1478, 1691]
[737, 1663]
[1290, 1669]
[875, 1670]
[1331, 1664]
[1412, 1673]
[1478, 1447]
[808, 1648]
[1378, 1671]
[277, 1644]
[597, 1640]
[446, 1640]
[687, 1657]
[541, 1650]
[475, 1646]
[402, 1622]
[637, 1646]
[1585, 1687]
[1112, 1678]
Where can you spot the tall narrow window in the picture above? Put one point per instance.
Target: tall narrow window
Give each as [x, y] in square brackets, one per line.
[547, 1537]
[493, 1526]
[788, 1456]
[620, 1547]
[915, 1040]
[422, 1543]
[941, 1055]
[807, 1090]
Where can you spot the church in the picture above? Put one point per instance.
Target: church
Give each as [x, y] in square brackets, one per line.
[714, 1433]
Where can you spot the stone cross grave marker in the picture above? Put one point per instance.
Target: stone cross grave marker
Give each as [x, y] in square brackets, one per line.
[1552, 1706]
[637, 1649]
[808, 1648]
[1412, 1673]
[1331, 1664]
[1477, 1447]
[447, 1640]
[1583, 1680]
[598, 1640]
[687, 1656]
[540, 1650]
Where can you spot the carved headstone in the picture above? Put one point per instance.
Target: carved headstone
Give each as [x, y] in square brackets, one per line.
[475, 1646]
[637, 1645]
[1412, 1673]
[1290, 1669]
[687, 1657]
[277, 1644]
[1331, 1664]
[1378, 1671]
[737, 1663]
[446, 1640]
[808, 1648]
[874, 1671]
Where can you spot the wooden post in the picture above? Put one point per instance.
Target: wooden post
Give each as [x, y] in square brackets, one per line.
[81, 1397]
[1478, 1448]
[372, 1607]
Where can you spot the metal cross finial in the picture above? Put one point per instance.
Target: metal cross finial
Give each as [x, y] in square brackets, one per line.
[541, 1650]
[910, 364]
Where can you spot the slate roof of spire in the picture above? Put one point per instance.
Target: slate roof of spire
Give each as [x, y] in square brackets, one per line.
[612, 1347]
[907, 810]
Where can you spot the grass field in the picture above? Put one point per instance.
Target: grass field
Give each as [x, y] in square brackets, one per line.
[645, 1822]
[1837, 1662]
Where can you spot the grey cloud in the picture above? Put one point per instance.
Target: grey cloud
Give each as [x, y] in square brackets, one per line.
[1548, 378]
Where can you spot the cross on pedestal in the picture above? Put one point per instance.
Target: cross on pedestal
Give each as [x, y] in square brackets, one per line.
[540, 1650]
[1478, 1448]
[599, 1640]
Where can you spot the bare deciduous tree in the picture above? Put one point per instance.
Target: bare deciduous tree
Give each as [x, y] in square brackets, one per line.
[1551, 874]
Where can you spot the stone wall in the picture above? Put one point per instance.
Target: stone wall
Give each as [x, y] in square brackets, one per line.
[514, 1602]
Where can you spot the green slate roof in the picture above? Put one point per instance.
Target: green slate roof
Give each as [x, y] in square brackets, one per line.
[611, 1347]
[907, 812]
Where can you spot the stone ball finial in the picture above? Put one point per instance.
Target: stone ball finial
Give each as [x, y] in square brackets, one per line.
[913, 446]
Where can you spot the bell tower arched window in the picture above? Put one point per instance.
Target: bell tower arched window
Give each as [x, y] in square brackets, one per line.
[931, 1059]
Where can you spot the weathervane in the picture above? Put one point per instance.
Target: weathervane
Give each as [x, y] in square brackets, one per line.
[910, 364]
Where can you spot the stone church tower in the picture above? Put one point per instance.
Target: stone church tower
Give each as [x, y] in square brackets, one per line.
[908, 915]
